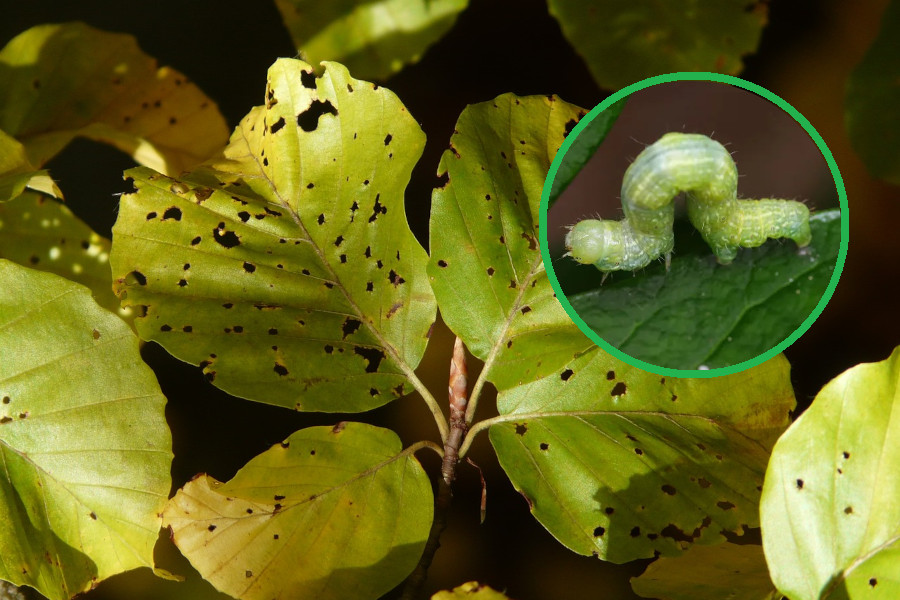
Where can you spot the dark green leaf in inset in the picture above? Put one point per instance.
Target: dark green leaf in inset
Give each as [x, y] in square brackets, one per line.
[330, 513]
[583, 148]
[84, 446]
[286, 268]
[700, 313]
[830, 516]
[872, 95]
[62, 81]
[624, 41]
[623, 464]
[373, 38]
[41, 233]
[486, 267]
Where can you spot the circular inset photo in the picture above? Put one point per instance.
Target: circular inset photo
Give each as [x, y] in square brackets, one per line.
[694, 224]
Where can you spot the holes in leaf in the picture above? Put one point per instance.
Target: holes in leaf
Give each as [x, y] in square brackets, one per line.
[619, 389]
[338, 240]
[280, 369]
[276, 126]
[308, 80]
[377, 208]
[195, 241]
[703, 482]
[799, 484]
[846, 455]
[228, 305]
[308, 120]
[566, 374]
[137, 276]
[521, 428]
[187, 329]
[873, 582]
[6, 399]
[249, 267]
[395, 279]
[609, 510]
[94, 334]
[151, 215]
[321, 220]
[329, 349]
[545, 446]
[610, 375]
[635, 531]
[372, 356]
[725, 505]
[248, 573]
[273, 331]
[244, 216]
[848, 510]
[238, 329]
[227, 239]
[490, 271]
[638, 451]
[525, 310]
[93, 515]
[182, 282]
[387, 139]
[669, 489]
[442, 263]
[173, 212]
[165, 328]
[599, 531]
[349, 327]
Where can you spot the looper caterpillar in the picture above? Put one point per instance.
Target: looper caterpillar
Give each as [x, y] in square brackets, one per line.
[704, 170]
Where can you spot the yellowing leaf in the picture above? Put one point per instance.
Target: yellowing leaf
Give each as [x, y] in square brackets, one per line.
[40, 233]
[486, 267]
[830, 515]
[62, 81]
[623, 464]
[724, 572]
[286, 268]
[330, 513]
[84, 447]
[17, 173]
[373, 38]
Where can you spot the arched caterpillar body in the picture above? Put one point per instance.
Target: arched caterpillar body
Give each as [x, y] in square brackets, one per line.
[703, 169]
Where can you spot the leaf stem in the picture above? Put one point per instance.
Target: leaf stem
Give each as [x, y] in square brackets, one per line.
[432, 404]
[458, 389]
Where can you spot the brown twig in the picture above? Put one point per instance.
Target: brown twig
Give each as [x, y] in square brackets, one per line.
[458, 391]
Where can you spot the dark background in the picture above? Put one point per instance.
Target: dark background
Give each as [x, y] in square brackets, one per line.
[496, 46]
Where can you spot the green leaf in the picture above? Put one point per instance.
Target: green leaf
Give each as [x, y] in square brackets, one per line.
[714, 315]
[84, 444]
[724, 572]
[286, 268]
[17, 173]
[373, 38]
[62, 81]
[621, 463]
[472, 590]
[830, 516]
[624, 41]
[43, 234]
[872, 92]
[330, 513]
[486, 267]
[583, 148]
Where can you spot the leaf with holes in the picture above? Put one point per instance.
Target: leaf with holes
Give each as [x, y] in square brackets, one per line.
[84, 446]
[830, 517]
[17, 172]
[373, 38]
[286, 268]
[486, 267]
[472, 590]
[38, 232]
[624, 41]
[623, 464]
[725, 572]
[62, 81]
[330, 513]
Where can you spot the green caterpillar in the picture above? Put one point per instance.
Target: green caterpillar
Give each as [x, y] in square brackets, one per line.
[703, 169]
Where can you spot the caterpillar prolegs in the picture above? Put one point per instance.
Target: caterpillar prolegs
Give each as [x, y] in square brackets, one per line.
[704, 170]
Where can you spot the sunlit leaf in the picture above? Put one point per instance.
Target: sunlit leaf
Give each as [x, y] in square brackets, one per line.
[286, 268]
[624, 41]
[830, 516]
[724, 572]
[330, 513]
[83, 439]
[621, 463]
[486, 267]
[38, 232]
[373, 38]
[62, 81]
[873, 123]
[471, 590]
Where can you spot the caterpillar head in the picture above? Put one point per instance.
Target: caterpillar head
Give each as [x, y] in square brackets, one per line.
[595, 241]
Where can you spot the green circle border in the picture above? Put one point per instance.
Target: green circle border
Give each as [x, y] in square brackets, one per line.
[718, 78]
